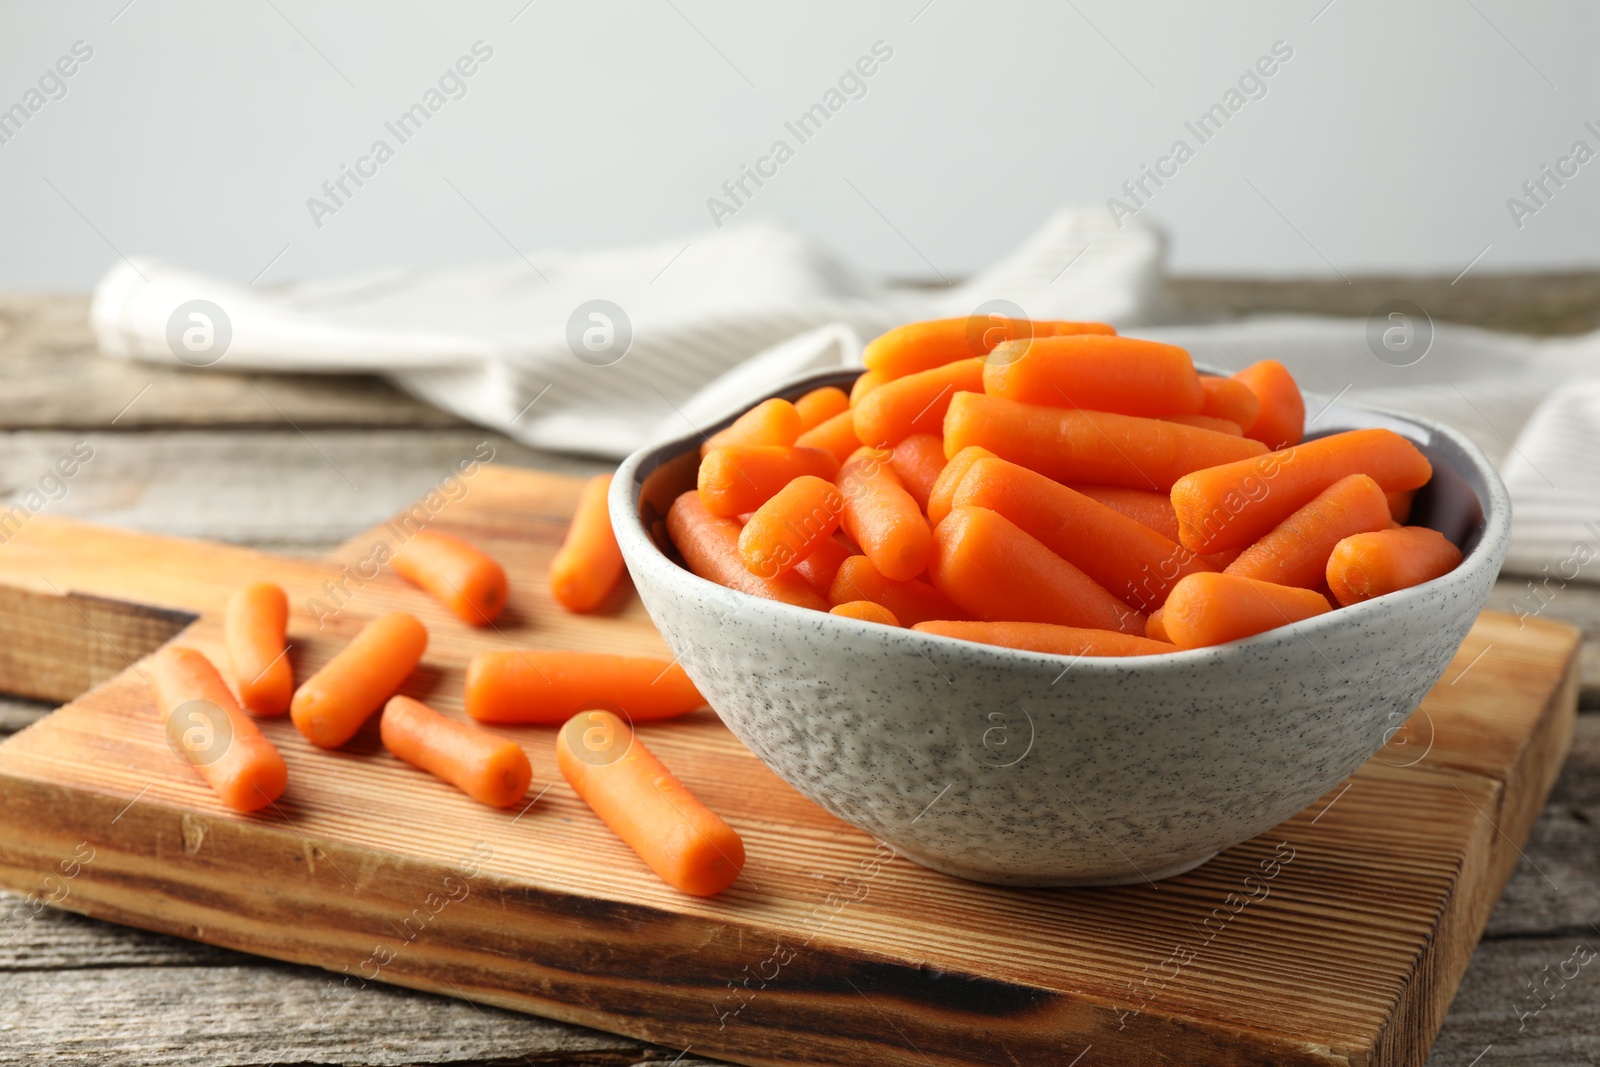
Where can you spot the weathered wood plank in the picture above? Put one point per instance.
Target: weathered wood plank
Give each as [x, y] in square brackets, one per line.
[1484, 1027]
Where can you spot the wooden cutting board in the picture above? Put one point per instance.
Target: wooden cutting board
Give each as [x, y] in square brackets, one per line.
[1337, 937]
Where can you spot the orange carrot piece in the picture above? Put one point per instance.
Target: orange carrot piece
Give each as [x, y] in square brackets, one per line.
[820, 405]
[911, 601]
[1048, 637]
[790, 526]
[915, 403]
[456, 573]
[684, 842]
[1125, 557]
[865, 384]
[998, 573]
[331, 705]
[819, 568]
[1234, 504]
[740, 478]
[1155, 627]
[1088, 446]
[1207, 422]
[254, 627]
[1282, 419]
[1152, 509]
[1095, 372]
[1212, 609]
[709, 545]
[771, 422]
[490, 769]
[836, 435]
[589, 563]
[920, 346]
[919, 460]
[1296, 551]
[944, 487]
[1368, 565]
[866, 611]
[881, 517]
[1229, 398]
[1400, 504]
[548, 686]
[206, 724]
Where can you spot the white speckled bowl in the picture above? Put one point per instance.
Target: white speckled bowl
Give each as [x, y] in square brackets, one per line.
[1025, 769]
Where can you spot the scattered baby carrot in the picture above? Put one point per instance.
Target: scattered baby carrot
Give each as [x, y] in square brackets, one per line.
[709, 545]
[915, 403]
[454, 572]
[1368, 565]
[998, 573]
[1234, 504]
[790, 526]
[549, 686]
[1212, 609]
[1095, 372]
[944, 487]
[866, 384]
[919, 460]
[819, 568]
[736, 479]
[1088, 446]
[589, 563]
[1296, 551]
[771, 422]
[1229, 398]
[920, 346]
[836, 435]
[684, 842]
[910, 601]
[881, 517]
[866, 611]
[1048, 637]
[333, 703]
[1282, 418]
[1152, 509]
[254, 628]
[820, 405]
[490, 769]
[205, 723]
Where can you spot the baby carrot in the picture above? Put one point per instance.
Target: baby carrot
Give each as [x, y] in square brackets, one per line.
[1296, 551]
[866, 384]
[920, 346]
[332, 704]
[709, 545]
[944, 487]
[454, 572]
[836, 435]
[490, 769]
[771, 422]
[740, 478]
[915, 403]
[1048, 637]
[866, 611]
[1229, 398]
[204, 722]
[684, 842]
[819, 568]
[911, 601]
[589, 563]
[998, 573]
[1366, 565]
[548, 686]
[790, 526]
[1088, 446]
[919, 460]
[1400, 504]
[1155, 627]
[1282, 419]
[1095, 372]
[881, 517]
[1212, 609]
[820, 405]
[1152, 509]
[1128, 559]
[1207, 422]
[1234, 504]
[254, 627]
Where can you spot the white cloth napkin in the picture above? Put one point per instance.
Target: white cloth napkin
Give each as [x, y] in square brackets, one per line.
[690, 328]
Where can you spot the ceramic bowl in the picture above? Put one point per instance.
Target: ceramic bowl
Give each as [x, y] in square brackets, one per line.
[1023, 769]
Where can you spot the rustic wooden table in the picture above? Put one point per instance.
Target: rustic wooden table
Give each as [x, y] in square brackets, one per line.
[296, 464]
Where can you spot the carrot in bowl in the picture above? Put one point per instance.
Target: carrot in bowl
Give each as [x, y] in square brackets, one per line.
[1229, 398]
[944, 487]
[684, 842]
[915, 403]
[254, 627]
[820, 405]
[548, 686]
[1142, 505]
[1048, 637]
[1400, 505]
[1296, 551]
[1207, 422]
[790, 526]
[911, 601]
[709, 545]
[819, 568]
[737, 479]
[920, 346]
[589, 563]
[865, 384]
[1367, 565]
[836, 434]
[456, 573]
[1095, 372]
[919, 460]
[206, 725]
[490, 769]
[1282, 418]
[771, 422]
[1212, 609]
[881, 517]
[1155, 627]
[333, 703]
[866, 611]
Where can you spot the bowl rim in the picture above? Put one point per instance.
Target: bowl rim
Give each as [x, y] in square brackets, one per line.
[623, 506]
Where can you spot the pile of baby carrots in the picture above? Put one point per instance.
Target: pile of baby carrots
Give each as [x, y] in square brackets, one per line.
[1056, 487]
[677, 836]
